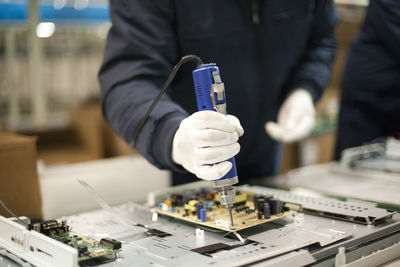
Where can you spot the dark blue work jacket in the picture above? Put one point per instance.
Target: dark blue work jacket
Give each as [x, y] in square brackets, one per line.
[372, 74]
[264, 49]
[370, 105]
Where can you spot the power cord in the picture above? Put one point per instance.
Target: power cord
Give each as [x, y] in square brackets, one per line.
[189, 58]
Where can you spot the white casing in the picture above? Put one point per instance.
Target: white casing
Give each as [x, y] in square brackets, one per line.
[35, 248]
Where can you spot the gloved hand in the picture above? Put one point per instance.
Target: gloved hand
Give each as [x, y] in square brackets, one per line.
[296, 118]
[204, 141]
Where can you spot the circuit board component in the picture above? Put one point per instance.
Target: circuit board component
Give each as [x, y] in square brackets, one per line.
[204, 208]
[110, 243]
[87, 247]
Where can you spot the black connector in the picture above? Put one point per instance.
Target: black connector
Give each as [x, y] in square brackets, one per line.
[110, 243]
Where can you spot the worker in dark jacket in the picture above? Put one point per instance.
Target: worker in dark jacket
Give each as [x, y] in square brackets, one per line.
[275, 56]
[370, 104]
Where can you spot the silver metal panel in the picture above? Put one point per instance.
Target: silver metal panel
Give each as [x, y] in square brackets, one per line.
[141, 250]
[275, 239]
[329, 179]
[7, 259]
[362, 235]
[303, 236]
[378, 258]
[352, 209]
[282, 238]
[383, 165]
[361, 250]
[296, 258]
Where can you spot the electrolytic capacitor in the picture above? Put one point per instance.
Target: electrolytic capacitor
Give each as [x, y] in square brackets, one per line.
[261, 202]
[268, 197]
[199, 206]
[255, 200]
[273, 206]
[279, 207]
[276, 206]
[267, 211]
[203, 215]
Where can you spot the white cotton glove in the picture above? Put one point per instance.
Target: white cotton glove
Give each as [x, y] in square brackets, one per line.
[296, 118]
[204, 141]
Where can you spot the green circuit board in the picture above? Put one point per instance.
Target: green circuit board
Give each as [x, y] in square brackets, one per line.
[88, 248]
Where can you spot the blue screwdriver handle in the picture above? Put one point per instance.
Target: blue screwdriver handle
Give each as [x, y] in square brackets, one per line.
[210, 95]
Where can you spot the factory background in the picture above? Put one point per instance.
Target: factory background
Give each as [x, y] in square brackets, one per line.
[49, 59]
[50, 54]
[72, 192]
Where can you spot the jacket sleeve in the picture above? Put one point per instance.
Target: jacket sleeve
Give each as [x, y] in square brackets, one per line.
[314, 70]
[140, 53]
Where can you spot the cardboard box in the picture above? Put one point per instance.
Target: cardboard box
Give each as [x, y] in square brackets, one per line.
[87, 137]
[84, 141]
[19, 183]
[114, 145]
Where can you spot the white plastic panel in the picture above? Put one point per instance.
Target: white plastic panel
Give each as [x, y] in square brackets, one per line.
[35, 247]
[12, 235]
[50, 252]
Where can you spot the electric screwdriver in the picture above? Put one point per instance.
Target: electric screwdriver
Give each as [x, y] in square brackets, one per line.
[210, 95]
